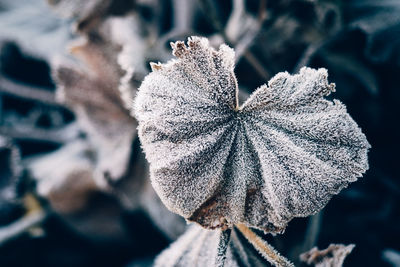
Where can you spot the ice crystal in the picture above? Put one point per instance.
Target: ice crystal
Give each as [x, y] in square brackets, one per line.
[282, 154]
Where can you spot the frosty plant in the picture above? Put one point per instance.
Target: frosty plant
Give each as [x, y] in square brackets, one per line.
[282, 154]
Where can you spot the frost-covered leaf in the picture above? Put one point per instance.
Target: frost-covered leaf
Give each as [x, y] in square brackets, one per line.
[127, 32]
[282, 154]
[202, 247]
[333, 256]
[66, 179]
[93, 94]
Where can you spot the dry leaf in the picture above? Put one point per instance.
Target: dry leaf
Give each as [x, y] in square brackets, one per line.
[93, 94]
[333, 256]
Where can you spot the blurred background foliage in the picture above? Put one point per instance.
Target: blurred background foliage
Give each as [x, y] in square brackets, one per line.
[73, 180]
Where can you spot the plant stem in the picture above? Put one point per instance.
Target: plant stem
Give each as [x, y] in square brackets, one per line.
[209, 9]
[30, 92]
[57, 136]
[266, 250]
[20, 226]
[223, 243]
[312, 231]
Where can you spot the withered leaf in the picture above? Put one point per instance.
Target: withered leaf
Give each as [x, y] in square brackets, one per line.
[333, 256]
[93, 94]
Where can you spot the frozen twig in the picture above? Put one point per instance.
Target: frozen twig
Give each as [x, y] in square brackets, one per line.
[42, 95]
[222, 247]
[20, 226]
[59, 136]
[263, 72]
[312, 232]
[266, 250]
[307, 55]
[245, 41]
[233, 29]
[210, 10]
[391, 256]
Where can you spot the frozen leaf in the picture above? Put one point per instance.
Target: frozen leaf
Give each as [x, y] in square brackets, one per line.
[65, 178]
[333, 256]
[282, 154]
[93, 94]
[127, 32]
[202, 247]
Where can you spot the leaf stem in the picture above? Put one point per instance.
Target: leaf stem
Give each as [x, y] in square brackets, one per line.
[20, 226]
[266, 250]
[224, 239]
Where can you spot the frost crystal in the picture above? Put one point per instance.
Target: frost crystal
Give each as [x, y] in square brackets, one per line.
[282, 154]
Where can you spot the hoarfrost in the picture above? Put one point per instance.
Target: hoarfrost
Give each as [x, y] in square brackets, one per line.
[280, 155]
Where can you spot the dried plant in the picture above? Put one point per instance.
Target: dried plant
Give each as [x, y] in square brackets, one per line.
[333, 256]
[111, 130]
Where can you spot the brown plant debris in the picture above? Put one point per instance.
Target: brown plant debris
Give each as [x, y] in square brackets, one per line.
[333, 256]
